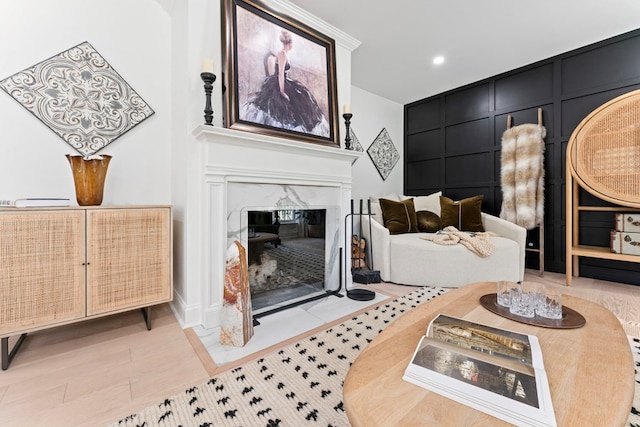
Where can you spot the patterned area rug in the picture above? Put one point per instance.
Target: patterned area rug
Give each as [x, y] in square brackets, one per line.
[299, 385]
[291, 266]
[297, 265]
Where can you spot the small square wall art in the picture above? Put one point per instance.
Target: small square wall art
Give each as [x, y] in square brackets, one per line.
[383, 154]
[355, 143]
[80, 97]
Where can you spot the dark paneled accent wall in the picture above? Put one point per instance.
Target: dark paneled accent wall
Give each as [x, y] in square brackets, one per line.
[453, 140]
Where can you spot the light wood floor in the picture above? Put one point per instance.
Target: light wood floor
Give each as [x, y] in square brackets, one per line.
[96, 372]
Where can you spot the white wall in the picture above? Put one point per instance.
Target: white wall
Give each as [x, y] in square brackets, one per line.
[134, 37]
[157, 46]
[372, 113]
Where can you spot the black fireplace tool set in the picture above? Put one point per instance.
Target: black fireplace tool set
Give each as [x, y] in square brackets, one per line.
[359, 271]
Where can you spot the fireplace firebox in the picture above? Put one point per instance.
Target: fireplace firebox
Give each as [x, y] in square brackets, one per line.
[291, 255]
[286, 256]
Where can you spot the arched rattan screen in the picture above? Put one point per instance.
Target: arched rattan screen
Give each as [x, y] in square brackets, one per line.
[603, 153]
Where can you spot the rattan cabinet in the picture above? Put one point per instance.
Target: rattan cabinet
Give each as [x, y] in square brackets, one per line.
[64, 265]
[603, 157]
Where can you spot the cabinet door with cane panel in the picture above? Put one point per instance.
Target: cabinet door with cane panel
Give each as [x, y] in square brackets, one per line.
[42, 272]
[129, 258]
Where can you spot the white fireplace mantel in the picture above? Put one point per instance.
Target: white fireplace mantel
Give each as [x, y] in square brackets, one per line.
[234, 137]
[238, 168]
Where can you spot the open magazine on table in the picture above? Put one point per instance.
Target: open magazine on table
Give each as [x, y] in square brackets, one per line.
[495, 371]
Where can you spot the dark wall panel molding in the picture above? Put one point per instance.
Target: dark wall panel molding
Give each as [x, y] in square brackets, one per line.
[467, 105]
[610, 64]
[425, 115]
[453, 140]
[533, 86]
[467, 137]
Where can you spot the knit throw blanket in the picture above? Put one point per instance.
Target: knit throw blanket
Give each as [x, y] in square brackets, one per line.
[522, 175]
[477, 242]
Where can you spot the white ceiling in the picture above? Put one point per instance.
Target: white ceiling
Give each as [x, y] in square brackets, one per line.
[479, 39]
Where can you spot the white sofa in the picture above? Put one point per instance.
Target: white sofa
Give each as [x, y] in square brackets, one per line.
[410, 260]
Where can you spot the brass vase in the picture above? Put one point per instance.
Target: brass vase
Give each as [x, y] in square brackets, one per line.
[88, 176]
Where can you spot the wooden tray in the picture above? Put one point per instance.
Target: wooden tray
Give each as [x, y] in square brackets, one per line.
[571, 319]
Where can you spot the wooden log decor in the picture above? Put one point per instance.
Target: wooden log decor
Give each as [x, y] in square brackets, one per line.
[237, 324]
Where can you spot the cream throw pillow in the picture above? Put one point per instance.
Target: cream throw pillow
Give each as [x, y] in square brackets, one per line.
[429, 203]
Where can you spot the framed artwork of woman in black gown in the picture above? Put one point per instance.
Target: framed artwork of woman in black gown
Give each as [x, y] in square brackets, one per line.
[280, 75]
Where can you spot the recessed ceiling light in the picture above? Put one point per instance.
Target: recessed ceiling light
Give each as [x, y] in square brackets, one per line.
[438, 60]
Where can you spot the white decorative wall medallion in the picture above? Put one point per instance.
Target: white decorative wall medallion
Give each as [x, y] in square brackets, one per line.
[383, 154]
[80, 97]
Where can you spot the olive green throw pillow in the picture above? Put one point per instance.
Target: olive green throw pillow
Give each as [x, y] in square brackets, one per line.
[428, 222]
[465, 214]
[399, 217]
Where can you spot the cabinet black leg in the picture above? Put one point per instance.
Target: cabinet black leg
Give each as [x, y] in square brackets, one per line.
[146, 312]
[5, 353]
[7, 356]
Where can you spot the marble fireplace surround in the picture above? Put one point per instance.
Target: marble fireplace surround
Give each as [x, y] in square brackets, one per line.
[283, 197]
[243, 171]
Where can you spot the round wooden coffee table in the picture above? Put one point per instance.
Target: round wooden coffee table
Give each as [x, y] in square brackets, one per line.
[590, 369]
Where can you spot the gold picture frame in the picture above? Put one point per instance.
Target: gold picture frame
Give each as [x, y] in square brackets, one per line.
[297, 101]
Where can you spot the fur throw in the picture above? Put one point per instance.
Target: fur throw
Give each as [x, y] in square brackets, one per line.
[477, 242]
[522, 175]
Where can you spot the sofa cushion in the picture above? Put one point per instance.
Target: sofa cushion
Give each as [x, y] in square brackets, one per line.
[375, 210]
[428, 222]
[419, 262]
[465, 214]
[394, 197]
[428, 203]
[399, 217]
